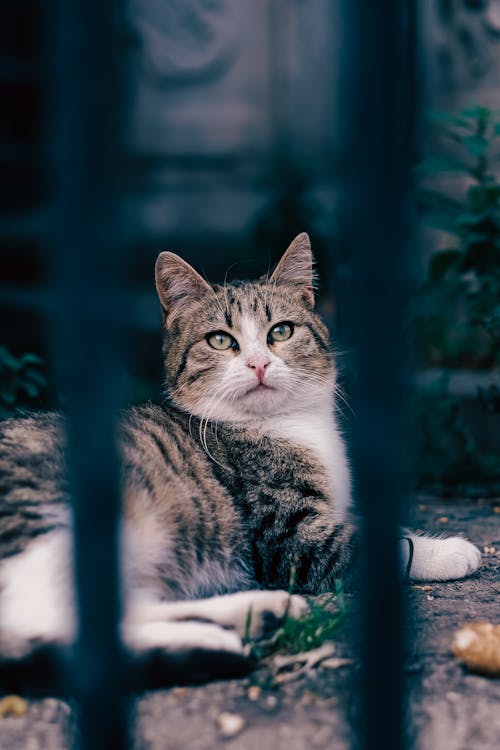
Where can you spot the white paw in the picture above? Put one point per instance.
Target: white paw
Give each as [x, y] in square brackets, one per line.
[267, 607]
[180, 636]
[442, 559]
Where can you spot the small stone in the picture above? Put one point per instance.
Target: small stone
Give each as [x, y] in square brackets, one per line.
[496, 509]
[423, 508]
[477, 644]
[253, 693]
[443, 519]
[489, 550]
[271, 702]
[422, 588]
[13, 705]
[230, 724]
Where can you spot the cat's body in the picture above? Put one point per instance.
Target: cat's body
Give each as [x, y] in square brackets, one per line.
[239, 479]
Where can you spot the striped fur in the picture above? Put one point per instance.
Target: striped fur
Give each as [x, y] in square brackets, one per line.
[210, 505]
[240, 477]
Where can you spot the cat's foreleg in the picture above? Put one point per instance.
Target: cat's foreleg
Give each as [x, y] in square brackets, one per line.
[243, 613]
[433, 559]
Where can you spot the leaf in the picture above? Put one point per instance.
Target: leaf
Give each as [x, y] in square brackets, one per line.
[471, 219]
[35, 377]
[439, 164]
[476, 113]
[32, 359]
[30, 389]
[448, 119]
[440, 263]
[9, 361]
[435, 201]
[476, 145]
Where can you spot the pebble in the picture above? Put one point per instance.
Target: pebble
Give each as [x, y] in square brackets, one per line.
[13, 705]
[254, 692]
[271, 702]
[230, 724]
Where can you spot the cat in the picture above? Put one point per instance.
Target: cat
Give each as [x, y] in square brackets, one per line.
[239, 477]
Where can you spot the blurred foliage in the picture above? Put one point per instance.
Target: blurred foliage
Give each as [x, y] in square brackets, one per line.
[449, 456]
[22, 381]
[457, 323]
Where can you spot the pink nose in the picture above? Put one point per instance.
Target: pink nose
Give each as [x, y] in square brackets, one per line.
[259, 365]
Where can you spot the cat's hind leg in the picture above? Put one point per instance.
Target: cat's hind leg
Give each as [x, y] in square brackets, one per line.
[36, 594]
[433, 559]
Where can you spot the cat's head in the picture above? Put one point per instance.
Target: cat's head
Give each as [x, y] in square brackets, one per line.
[246, 349]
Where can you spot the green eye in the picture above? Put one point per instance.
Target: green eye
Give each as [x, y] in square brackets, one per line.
[221, 341]
[280, 332]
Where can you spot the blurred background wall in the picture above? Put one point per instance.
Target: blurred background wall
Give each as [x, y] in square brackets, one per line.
[232, 147]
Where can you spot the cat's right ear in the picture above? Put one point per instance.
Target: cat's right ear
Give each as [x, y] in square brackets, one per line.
[177, 284]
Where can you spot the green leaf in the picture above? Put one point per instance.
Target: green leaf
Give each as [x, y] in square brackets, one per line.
[442, 262]
[36, 377]
[476, 113]
[432, 200]
[30, 389]
[440, 164]
[32, 359]
[442, 222]
[9, 361]
[448, 119]
[476, 145]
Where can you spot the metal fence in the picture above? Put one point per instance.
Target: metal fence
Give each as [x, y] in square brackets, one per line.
[69, 58]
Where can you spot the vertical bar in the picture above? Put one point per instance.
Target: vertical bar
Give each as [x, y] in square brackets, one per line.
[375, 115]
[84, 142]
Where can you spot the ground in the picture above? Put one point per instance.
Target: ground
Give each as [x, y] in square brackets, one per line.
[450, 708]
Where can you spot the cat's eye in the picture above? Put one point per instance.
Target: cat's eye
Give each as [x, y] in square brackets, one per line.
[221, 341]
[280, 332]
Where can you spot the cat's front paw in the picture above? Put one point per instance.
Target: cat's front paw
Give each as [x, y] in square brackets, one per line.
[265, 610]
[442, 559]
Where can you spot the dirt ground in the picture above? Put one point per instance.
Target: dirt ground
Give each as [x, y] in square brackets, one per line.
[450, 709]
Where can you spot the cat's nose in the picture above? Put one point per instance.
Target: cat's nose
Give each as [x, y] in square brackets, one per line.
[258, 364]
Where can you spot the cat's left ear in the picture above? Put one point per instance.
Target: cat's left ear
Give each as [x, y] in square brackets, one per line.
[296, 268]
[178, 285]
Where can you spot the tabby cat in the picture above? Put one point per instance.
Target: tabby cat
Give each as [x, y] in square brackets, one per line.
[239, 476]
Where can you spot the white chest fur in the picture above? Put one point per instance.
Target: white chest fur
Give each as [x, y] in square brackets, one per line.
[318, 431]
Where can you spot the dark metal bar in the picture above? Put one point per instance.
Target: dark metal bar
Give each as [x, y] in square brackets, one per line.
[375, 114]
[84, 147]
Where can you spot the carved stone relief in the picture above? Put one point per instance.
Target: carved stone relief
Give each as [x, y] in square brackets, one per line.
[461, 37]
[201, 68]
[184, 41]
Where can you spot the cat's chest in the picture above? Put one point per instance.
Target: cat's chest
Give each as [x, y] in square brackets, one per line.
[318, 433]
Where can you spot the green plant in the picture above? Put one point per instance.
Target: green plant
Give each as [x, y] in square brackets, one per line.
[22, 381]
[296, 635]
[447, 449]
[459, 318]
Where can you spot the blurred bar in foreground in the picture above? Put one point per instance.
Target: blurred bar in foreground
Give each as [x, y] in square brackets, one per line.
[84, 160]
[375, 110]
